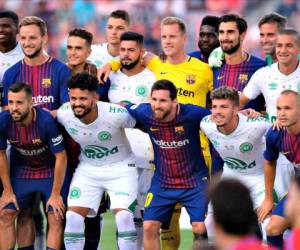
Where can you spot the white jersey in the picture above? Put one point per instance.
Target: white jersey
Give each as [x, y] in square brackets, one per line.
[103, 141]
[242, 150]
[10, 58]
[135, 89]
[100, 55]
[271, 82]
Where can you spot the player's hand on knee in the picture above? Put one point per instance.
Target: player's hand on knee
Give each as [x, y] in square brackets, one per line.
[265, 209]
[8, 197]
[58, 206]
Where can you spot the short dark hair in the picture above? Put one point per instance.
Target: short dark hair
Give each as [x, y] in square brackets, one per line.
[273, 18]
[226, 93]
[132, 36]
[240, 22]
[165, 85]
[291, 32]
[82, 33]
[232, 207]
[21, 86]
[122, 14]
[10, 14]
[213, 21]
[84, 81]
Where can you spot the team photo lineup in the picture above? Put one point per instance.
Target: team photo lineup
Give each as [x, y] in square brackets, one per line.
[147, 136]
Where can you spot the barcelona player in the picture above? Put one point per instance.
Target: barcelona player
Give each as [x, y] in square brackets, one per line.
[37, 164]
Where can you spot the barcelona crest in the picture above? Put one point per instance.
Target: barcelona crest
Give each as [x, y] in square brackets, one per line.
[243, 78]
[46, 82]
[190, 79]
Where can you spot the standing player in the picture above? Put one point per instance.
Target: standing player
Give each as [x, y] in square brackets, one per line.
[132, 83]
[269, 26]
[118, 22]
[271, 81]
[286, 142]
[238, 65]
[180, 175]
[193, 80]
[292, 213]
[105, 162]
[238, 140]
[234, 218]
[47, 77]
[37, 164]
[208, 38]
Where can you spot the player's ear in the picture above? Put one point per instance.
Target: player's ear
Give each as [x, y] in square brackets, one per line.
[45, 38]
[243, 35]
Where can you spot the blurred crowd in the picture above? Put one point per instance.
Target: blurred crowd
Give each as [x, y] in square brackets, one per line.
[63, 15]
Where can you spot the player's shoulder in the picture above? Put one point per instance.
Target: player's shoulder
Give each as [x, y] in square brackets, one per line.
[64, 112]
[198, 64]
[4, 117]
[12, 70]
[111, 109]
[193, 111]
[58, 64]
[196, 54]
[257, 61]
[43, 116]
[273, 135]
[253, 120]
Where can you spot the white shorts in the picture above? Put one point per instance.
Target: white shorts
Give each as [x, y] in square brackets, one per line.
[89, 183]
[141, 147]
[144, 182]
[255, 183]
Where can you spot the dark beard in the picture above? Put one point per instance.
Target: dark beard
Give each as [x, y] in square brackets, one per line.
[131, 65]
[233, 49]
[86, 112]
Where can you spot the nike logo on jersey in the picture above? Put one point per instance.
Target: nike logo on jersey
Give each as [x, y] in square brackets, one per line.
[220, 77]
[285, 153]
[154, 129]
[163, 73]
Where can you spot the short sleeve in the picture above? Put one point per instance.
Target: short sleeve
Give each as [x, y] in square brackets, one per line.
[252, 89]
[271, 152]
[54, 136]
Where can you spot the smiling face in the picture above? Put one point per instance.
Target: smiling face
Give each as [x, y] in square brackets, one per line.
[287, 49]
[78, 51]
[268, 34]
[172, 39]
[31, 40]
[130, 54]
[19, 105]
[229, 37]
[8, 31]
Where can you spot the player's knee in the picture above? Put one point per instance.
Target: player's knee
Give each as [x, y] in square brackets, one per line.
[198, 228]
[7, 217]
[273, 229]
[74, 222]
[25, 218]
[54, 224]
[124, 220]
[151, 229]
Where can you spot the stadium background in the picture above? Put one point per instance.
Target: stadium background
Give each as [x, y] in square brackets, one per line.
[62, 15]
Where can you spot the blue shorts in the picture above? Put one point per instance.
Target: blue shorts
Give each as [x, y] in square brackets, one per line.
[279, 209]
[24, 190]
[160, 202]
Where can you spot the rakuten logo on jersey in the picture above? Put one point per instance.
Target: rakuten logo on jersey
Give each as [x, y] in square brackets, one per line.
[42, 99]
[97, 152]
[171, 144]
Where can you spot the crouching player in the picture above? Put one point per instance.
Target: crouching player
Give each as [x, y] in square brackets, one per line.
[105, 164]
[37, 164]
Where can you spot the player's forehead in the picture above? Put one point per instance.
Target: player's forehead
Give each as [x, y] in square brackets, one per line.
[112, 21]
[173, 29]
[76, 41]
[271, 27]
[208, 29]
[285, 39]
[30, 29]
[128, 44]
[162, 94]
[21, 95]
[7, 21]
[231, 25]
[77, 92]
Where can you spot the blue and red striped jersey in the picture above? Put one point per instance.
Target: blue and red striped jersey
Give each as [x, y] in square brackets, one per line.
[178, 158]
[32, 147]
[238, 75]
[281, 141]
[48, 82]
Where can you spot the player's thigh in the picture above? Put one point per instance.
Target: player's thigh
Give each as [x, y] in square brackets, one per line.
[160, 203]
[85, 191]
[195, 202]
[121, 186]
